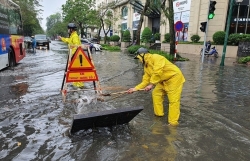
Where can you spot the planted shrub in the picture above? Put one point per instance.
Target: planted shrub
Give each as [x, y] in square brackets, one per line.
[107, 38]
[167, 37]
[234, 39]
[218, 37]
[157, 36]
[114, 38]
[126, 37]
[132, 49]
[244, 60]
[195, 38]
[146, 35]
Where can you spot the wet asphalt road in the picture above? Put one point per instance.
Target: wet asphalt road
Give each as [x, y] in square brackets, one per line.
[35, 123]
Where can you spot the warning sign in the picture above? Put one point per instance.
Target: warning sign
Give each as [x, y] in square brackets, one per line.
[80, 61]
[79, 76]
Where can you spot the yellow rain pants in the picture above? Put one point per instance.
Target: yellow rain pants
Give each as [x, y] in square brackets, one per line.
[74, 41]
[168, 80]
[174, 97]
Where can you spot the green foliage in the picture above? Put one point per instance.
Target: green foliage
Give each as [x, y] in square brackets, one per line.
[104, 45]
[146, 35]
[195, 38]
[162, 53]
[157, 36]
[234, 39]
[81, 13]
[167, 37]
[132, 49]
[30, 17]
[114, 38]
[55, 26]
[126, 37]
[168, 56]
[110, 48]
[106, 39]
[244, 60]
[219, 37]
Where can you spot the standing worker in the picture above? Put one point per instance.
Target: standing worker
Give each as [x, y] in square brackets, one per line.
[166, 79]
[73, 40]
[33, 44]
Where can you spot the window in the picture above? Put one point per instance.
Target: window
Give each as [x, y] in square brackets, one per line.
[4, 22]
[15, 22]
[124, 26]
[124, 11]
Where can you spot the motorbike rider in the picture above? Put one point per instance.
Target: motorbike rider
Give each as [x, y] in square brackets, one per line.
[208, 46]
[74, 41]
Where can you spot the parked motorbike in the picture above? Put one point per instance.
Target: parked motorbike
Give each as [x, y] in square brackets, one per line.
[213, 51]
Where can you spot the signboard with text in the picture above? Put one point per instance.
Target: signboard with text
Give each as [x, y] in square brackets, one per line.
[81, 69]
[78, 76]
[181, 5]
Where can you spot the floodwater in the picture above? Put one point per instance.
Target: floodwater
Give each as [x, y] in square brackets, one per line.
[35, 123]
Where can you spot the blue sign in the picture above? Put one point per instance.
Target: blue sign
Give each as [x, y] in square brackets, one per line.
[178, 26]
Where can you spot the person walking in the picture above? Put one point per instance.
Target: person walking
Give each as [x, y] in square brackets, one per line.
[74, 41]
[166, 79]
[33, 44]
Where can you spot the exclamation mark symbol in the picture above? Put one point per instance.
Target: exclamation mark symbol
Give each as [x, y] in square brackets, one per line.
[80, 57]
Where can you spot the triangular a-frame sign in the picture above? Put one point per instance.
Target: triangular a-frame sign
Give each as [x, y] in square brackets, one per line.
[80, 61]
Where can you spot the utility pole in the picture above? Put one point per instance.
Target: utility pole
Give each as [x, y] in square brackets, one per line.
[247, 16]
[227, 32]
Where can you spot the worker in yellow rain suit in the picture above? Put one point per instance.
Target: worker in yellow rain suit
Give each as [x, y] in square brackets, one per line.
[166, 78]
[73, 41]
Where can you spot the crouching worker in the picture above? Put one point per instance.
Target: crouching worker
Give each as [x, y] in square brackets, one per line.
[73, 40]
[166, 79]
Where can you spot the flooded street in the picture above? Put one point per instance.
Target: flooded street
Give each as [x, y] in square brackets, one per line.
[35, 123]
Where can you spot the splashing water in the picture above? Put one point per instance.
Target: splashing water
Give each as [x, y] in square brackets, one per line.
[82, 103]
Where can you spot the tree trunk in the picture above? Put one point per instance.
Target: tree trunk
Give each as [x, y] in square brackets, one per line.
[102, 26]
[99, 32]
[138, 34]
[171, 27]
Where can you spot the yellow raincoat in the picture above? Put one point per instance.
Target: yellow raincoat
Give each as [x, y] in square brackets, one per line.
[73, 41]
[168, 79]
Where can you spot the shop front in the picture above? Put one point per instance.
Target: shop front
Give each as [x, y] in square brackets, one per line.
[240, 22]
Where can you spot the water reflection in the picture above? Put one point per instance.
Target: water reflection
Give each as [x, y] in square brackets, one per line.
[19, 89]
[10, 86]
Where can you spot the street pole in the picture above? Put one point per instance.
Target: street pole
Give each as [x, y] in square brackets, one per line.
[227, 32]
[205, 35]
[247, 16]
[236, 28]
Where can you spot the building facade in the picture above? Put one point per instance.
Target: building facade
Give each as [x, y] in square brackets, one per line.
[190, 12]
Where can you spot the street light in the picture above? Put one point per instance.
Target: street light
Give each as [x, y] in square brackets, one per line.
[237, 1]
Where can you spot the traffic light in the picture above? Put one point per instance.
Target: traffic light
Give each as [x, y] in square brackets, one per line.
[211, 10]
[203, 26]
